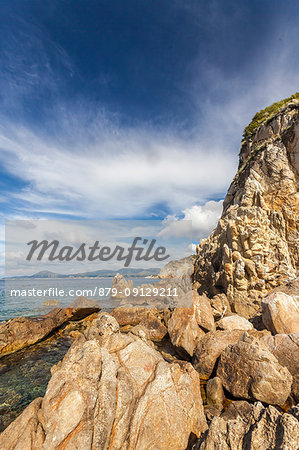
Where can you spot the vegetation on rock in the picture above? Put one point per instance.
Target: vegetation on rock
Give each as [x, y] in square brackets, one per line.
[264, 115]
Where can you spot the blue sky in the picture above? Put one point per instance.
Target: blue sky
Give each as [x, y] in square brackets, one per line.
[134, 109]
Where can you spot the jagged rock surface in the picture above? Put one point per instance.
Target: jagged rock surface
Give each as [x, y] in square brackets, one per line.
[121, 287]
[149, 318]
[188, 325]
[254, 247]
[209, 348]
[253, 427]
[112, 391]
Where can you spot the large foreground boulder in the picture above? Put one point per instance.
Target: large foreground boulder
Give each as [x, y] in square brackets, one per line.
[285, 347]
[280, 313]
[254, 427]
[113, 391]
[248, 370]
[26, 432]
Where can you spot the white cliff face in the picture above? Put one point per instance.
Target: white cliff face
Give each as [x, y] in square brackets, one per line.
[255, 245]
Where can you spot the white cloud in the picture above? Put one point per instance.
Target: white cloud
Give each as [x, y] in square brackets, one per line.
[121, 176]
[204, 219]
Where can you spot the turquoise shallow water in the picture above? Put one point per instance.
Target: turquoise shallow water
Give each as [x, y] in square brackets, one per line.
[24, 376]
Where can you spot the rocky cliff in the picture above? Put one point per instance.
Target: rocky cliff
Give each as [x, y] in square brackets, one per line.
[254, 247]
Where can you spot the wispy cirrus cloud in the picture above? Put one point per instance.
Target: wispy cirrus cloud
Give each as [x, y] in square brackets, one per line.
[32, 65]
[124, 176]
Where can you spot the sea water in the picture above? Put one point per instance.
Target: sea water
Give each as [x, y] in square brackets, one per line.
[30, 306]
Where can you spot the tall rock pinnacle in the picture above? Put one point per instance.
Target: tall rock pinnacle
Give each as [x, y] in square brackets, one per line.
[254, 247]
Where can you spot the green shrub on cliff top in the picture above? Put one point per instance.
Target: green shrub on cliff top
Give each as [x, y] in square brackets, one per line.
[265, 114]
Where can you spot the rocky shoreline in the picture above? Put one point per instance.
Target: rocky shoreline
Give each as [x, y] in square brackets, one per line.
[159, 378]
[222, 373]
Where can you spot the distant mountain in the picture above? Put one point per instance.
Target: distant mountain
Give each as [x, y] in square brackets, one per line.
[45, 274]
[128, 272]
